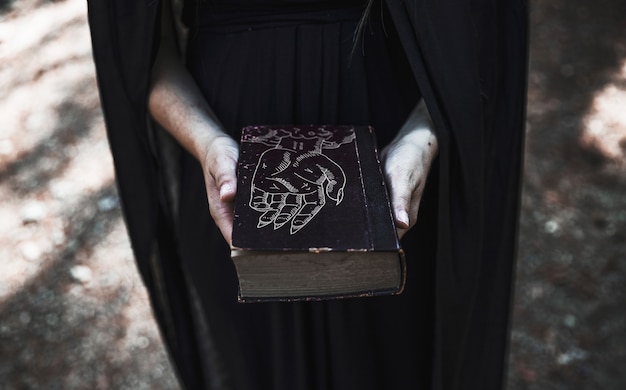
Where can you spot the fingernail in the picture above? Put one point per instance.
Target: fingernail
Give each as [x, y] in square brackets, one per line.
[225, 190]
[403, 217]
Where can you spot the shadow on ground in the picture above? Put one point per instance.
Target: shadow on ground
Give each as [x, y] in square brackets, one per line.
[76, 315]
[569, 329]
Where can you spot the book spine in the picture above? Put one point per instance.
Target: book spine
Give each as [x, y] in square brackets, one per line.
[382, 227]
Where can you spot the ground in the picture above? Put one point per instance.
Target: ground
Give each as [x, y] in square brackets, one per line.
[74, 313]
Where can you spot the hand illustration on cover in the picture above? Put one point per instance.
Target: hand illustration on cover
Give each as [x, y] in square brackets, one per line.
[294, 178]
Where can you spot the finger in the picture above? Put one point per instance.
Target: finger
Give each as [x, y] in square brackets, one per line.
[277, 203]
[285, 215]
[404, 171]
[226, 179]
[313, 204]
[414, 205]
[259, 200]
[267, 217]
[223, 167]
[412, 215]
[400, 194]
[228, 190]
[305, 214]
[411, 211]
[336, 180]
[219, 169]
[221, 212]
[293, 203]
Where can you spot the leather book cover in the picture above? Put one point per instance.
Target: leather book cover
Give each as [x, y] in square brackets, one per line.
[311, 189]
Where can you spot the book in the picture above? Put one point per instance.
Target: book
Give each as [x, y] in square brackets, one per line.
[312, 216]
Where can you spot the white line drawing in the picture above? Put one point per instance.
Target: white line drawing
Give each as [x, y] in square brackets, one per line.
[293, 178]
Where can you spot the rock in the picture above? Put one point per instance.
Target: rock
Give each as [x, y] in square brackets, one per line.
[33, 211]
[6, 147]
[551, 227]
[107, 203]
[570, 321]
[572, 356]
[30, 250]
[25, 318]
[81, 273]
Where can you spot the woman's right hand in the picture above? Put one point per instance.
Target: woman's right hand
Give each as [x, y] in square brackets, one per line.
[219, 165]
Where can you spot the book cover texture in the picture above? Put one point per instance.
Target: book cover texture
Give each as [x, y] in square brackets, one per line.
[304, 188]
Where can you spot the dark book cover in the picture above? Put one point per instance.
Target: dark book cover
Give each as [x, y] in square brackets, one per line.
[312, 189]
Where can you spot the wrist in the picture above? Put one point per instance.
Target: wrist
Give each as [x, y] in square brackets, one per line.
[214, 148]
[210, 146]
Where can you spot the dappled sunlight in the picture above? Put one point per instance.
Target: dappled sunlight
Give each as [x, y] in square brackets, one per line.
[605, 125]
[39, 69]
[45, 20]
[53, 150]
[72, 306]
[569, 326]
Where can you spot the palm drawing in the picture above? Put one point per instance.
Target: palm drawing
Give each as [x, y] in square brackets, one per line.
[294, 178]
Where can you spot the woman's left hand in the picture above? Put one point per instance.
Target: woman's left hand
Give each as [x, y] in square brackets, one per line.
[406, 163]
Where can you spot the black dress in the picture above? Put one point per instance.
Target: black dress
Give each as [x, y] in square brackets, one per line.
[449, 329]
[293, 62]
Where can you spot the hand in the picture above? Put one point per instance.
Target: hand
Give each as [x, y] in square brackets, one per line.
[220, 176]
[291, 186]
[406, 163]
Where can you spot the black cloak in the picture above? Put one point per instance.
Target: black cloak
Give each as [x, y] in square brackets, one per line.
[469, 59]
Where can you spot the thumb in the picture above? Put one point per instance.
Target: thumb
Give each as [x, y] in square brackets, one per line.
[224, 173]
[221, 194]
[227, 190]
[225, 181]
[400, 203]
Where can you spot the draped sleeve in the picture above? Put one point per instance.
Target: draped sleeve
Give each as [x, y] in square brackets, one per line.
[470, 61]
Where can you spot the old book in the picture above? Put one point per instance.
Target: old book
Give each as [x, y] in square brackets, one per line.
[312, 216]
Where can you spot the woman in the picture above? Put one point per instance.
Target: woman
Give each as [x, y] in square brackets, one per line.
[261, 62]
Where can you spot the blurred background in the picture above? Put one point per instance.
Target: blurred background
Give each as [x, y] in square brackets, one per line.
[74, 314]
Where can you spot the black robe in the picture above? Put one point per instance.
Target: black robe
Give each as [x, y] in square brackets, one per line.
[469, 59]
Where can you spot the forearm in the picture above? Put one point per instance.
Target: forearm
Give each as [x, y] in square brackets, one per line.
[176, 102]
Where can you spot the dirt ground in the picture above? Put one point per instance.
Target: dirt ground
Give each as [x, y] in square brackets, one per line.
[74, 314]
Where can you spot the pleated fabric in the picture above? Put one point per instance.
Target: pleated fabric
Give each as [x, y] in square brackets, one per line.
[295, 62]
